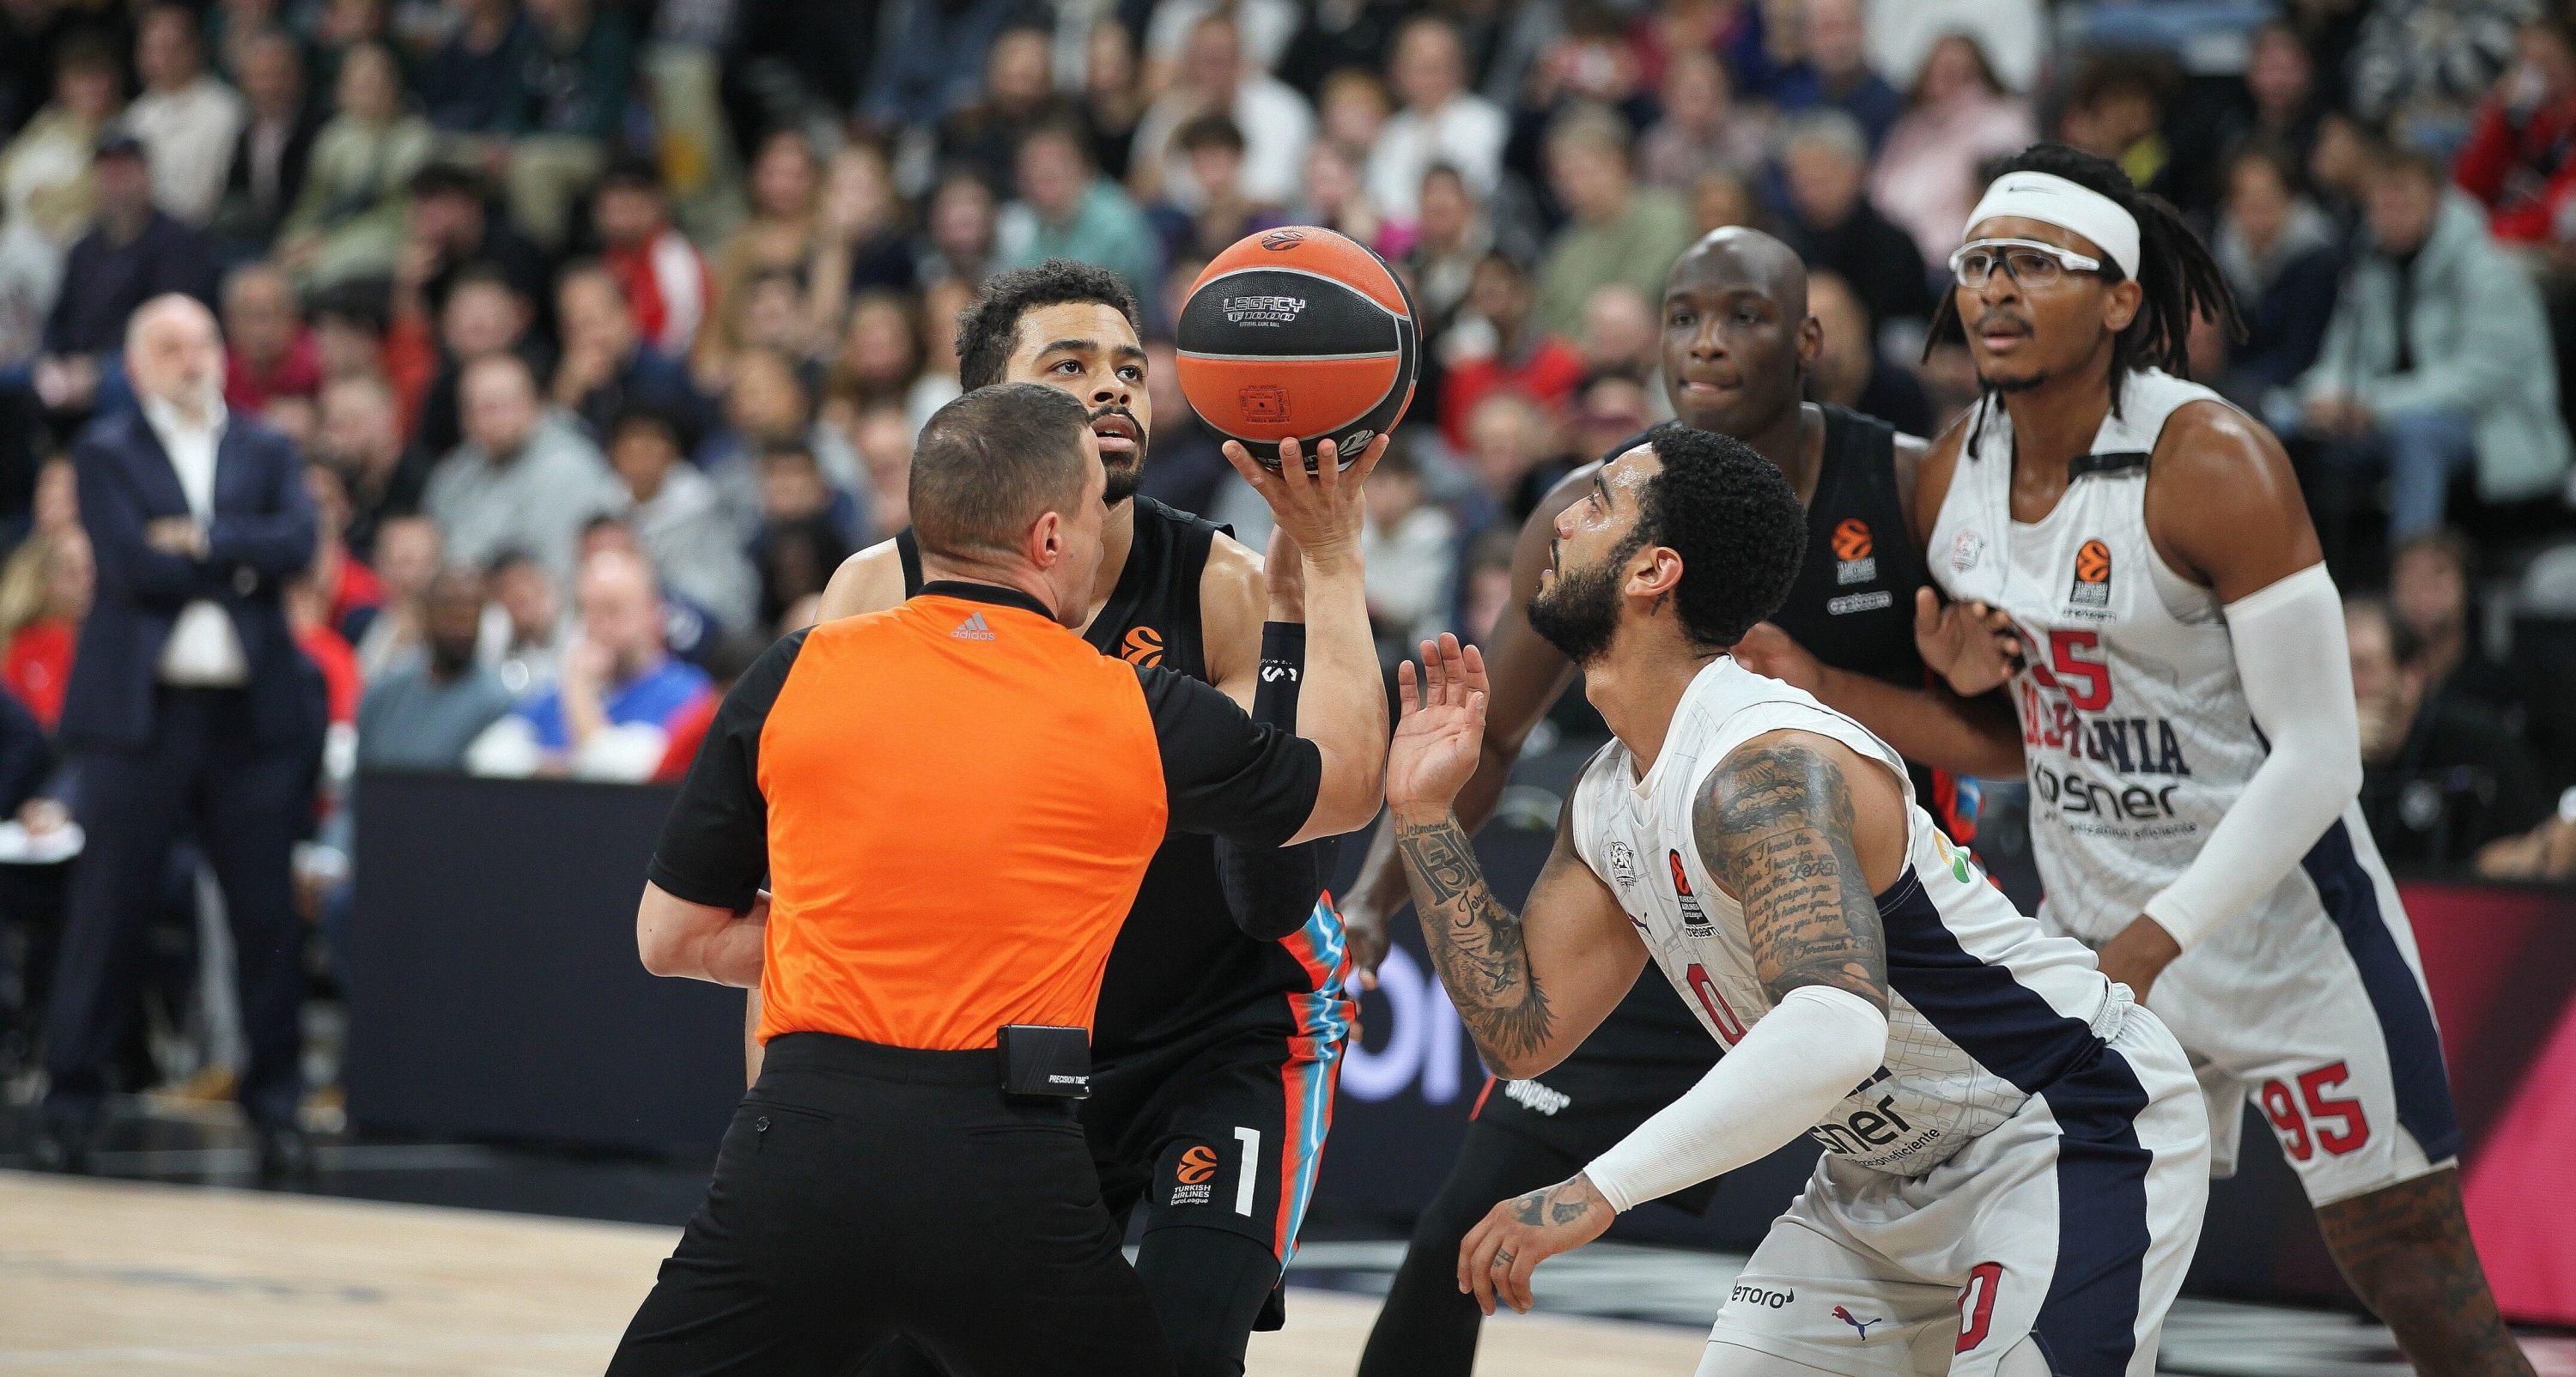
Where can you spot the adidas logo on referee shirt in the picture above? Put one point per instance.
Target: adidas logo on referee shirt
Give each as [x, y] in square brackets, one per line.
[972, 629]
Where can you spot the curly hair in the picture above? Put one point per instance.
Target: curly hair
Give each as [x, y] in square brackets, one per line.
[1736, 523]
[988, 326]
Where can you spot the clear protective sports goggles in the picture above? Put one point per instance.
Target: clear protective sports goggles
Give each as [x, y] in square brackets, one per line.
[2028, 262]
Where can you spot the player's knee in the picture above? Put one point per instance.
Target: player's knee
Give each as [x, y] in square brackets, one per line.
[2024, 1360]
[1208, 1288]
[1724, 1359]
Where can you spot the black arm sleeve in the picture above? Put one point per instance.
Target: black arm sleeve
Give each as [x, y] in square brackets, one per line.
[1224, 773]
[715, 845]
[1272, 890]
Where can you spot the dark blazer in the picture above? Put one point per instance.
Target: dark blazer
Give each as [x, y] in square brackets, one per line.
[262, 535]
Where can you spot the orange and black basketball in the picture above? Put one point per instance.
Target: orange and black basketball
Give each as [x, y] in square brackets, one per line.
[1298, 333]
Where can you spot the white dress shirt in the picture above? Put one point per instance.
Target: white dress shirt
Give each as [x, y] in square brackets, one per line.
[204, 649]
[190, 133]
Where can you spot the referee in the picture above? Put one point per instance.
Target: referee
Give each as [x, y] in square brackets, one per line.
[953, 802]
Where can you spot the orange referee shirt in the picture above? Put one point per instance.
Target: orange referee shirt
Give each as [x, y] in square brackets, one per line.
[954, 801]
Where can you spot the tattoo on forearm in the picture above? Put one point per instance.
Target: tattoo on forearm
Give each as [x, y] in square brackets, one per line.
[1475, 942]
[1560, 1204]
[1775, 823]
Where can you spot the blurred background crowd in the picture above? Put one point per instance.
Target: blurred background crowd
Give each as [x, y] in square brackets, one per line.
[603, 329]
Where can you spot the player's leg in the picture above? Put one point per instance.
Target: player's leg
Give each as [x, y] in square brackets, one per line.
[2407, 1253]
[1428, 1326]
[1725, 1359]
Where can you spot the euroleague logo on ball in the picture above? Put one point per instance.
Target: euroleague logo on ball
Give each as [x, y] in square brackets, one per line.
[1280, 241]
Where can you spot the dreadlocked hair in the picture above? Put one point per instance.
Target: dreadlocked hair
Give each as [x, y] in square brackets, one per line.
[2177, 277]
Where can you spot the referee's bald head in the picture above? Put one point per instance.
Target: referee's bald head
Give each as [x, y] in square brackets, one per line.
[991, 463]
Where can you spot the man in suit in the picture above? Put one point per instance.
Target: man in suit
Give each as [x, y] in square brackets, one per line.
[189, 704]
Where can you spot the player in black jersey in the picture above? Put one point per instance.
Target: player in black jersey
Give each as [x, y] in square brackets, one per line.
[1737, 344]
[1214, 1055]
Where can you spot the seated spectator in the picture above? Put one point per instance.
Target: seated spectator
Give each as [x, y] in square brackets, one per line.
[880, 354]
[1702, 130]
[677, 517]
[1618, 231]
[424, 716]
[2516, 160]
[2420, 67]
[1410, 549]
[2282, 108]
[1621, 332]
[1212, 147]
[863, 242]
[308, 615]
[1066, 209]
[929, 60]
[187, 118]
[1514, 455]
[476, 82]
[883, 437]
[607, 367]
[485, 317]
[269, 159]
[796, 558]
[523, 631]
[2115, 109]
[780, 237]
[408, 555]
[2429, 593]
[1959, 117]
[451, 228]
[523, 480]
[580, 70]
[349, 325]
[359, 435]
[268, 353]
[618, 690]
[1724, 198]
[1450, 236]
[767, 406]
[1610, 407]
[1441, 121]
[2278, 252]
[1272, 123]
[351, 593]
[132, 253]
[1485, 584]
[1851, 371]
[1336, 198]
[666, 280]
[2427, 369]
[46, 193]
[2014, 33]
[1832, 224]
[2439, 780]
[1019, 94]
[731, 657]
[348, 221]
[1113, 96]
[1833, 71]
[1499, 347]
[44, 593]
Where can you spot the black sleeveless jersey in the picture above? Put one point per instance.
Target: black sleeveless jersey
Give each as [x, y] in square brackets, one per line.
[1180, 968]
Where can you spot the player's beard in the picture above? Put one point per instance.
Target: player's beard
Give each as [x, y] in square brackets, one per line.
[1124, 475]
[1579, 612]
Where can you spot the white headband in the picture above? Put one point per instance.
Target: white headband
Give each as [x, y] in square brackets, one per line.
[2053, 200]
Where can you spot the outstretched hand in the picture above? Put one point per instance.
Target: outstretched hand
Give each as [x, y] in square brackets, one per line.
[1972, 646]
[1441, 729]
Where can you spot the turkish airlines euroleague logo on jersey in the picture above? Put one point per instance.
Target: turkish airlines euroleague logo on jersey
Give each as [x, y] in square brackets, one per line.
[1694, 918]
[2092, 576]
[1194, 1176]
[1855, 560]
[1143, 646]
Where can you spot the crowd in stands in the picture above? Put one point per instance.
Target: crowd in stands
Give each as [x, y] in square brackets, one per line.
[604, 328]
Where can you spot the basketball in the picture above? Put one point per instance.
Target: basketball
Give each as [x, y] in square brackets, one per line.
[1298, 333]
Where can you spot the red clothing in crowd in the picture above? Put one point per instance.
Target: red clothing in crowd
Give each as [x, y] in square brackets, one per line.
[39, 665]
[341, 683]
[296, 373]
[358, 588]
[2523, 170]
[685, 733]
[1548, 376]
[668, 287]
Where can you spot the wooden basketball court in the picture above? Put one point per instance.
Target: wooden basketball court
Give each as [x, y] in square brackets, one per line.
[135, 1277]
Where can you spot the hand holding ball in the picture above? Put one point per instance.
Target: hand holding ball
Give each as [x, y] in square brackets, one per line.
[1298, 334]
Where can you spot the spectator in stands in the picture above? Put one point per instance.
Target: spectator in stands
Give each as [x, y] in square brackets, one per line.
[770, 405]
[359, 434]
[2517, 161]
[665, 278]
[351, 593]
[1702, 130]
[677, 517]
[865, 239]
[1410, 548]
[523, 479]
[424, 716]
[475, 83]
[929, 57]
[1336, 198]
[1513, 452]
[727, 660]
[44, 594]
[1113, 95]
[1484, 584]
[1618, 231]
[451, 227]
[1609, 408]
[2428, 592]
[883, 437]
[187, 118]
[348, 220]
[2115, 109]
[779, 237]
[349, 327]
[1351, 111]
[269, 159]
[606, 365]
[46, 193]
[1451, 234]
[1621, 332]
[523, 630]
[2278, 251]
[2420, 67]
[1212, 147]
[1019, 93]
[958, 230]
[1959, 118]
[1499, 347]
[1832, 224]
[618, 689]
[2439, 780]
[2427, 369]
[1067, 210]
[1441, 121]
[132, 253]
[1851, 371]
[1724, 198]
[1272, 122]
[485, 317]
[1833, 71]
[581, 66]
[2282, 103]
[269, 353]
[408, 555]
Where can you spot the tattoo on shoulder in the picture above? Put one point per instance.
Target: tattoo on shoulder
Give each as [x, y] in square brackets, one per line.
[1775, 824]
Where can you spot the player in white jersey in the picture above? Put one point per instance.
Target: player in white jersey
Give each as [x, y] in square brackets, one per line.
[2131, 556]
[2016, 1160]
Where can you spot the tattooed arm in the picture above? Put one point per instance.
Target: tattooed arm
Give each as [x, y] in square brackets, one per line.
[1777, 826]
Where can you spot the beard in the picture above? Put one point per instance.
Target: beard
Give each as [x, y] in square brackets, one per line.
[1579, 613]
[1124, 475]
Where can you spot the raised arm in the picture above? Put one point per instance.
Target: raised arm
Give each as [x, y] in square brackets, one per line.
[1802, 832]
[1531, 986]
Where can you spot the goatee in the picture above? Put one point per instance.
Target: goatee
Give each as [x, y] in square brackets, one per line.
[1579, 613]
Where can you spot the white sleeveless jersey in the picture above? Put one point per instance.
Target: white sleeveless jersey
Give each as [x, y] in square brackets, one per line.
[2135, 728]
[1984, 1008]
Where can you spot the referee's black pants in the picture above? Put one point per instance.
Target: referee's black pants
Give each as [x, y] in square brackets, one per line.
[865, 1192]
